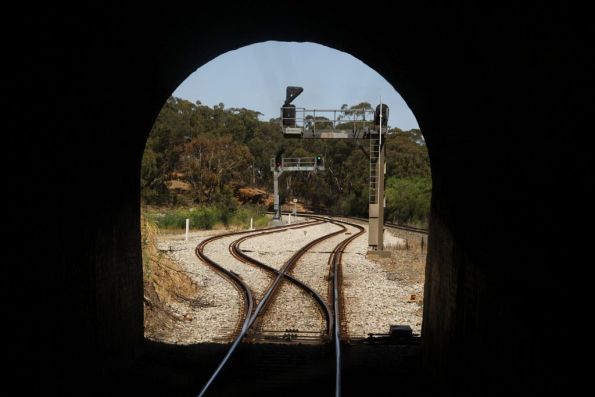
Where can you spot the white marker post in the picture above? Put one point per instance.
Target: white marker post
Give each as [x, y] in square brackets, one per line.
[289, 219]
[251, 223]
[187, 227]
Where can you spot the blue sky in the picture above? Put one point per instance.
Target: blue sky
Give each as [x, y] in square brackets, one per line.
[255, 77]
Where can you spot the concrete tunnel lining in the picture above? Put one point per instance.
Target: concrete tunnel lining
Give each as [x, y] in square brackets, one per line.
[475, 333]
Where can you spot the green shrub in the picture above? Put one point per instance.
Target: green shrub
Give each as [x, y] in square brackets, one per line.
[207, 216]
[175, 219]
[242, 215]
[408, 200]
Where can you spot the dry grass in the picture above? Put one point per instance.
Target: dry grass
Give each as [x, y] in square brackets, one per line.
[408, 257]
[407, 263]
[164, 282]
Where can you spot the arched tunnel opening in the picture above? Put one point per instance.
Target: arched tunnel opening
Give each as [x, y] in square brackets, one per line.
[494, 285]
[210, 167]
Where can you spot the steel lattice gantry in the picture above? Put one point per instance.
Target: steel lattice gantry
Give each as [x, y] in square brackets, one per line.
[367, 124]
[278, 166]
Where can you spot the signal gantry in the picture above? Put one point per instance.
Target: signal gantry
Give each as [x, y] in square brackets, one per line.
[365, 123]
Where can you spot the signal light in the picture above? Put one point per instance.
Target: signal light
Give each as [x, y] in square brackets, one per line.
[384, 115]
[288, 114]
[291, 93]
[288, 110]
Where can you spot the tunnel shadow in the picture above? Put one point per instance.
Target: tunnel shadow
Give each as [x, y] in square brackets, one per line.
[262, 370]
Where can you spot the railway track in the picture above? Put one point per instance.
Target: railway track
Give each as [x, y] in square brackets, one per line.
[340, 326]
[387, 224]
[392, 225]
[283, 274]
[234, 278]
[278, 276]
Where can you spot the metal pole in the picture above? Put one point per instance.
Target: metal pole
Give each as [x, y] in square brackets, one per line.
[277, 215]
[380, 190]
[380, 137]
[380, 187]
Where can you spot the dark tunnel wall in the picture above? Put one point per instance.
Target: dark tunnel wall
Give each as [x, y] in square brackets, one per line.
[498, 95]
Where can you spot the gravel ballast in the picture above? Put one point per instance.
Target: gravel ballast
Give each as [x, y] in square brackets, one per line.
[376, 295]
[373, 299]
[215, 312]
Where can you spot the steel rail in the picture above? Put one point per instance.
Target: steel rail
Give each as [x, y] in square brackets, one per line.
[263, 302]
[236, 281]
[333, 321]
[334, 262]
[388, 224]
[322, 305]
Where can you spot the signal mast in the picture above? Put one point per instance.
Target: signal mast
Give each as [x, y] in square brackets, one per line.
[295, 164]
[302, 123]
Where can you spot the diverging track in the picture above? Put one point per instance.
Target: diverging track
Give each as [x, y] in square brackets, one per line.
[249, 298]
[251, 329]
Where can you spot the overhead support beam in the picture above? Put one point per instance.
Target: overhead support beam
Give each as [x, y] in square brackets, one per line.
[280, 165]
[363, 123]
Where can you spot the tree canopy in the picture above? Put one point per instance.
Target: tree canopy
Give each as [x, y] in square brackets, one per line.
[196, 154]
